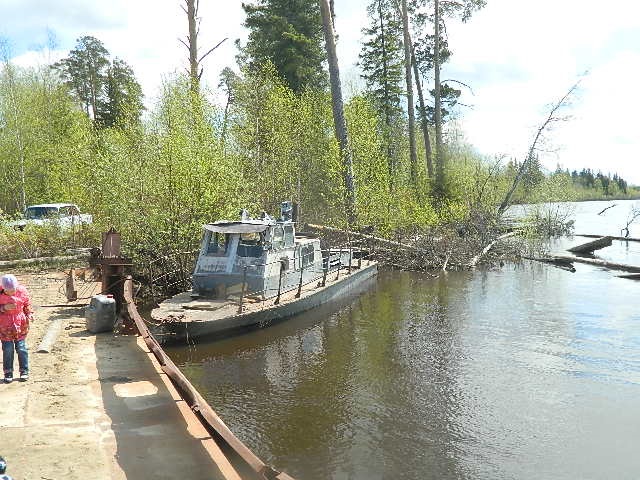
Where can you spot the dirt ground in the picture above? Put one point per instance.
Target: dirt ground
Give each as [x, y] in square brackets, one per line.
[95, 407]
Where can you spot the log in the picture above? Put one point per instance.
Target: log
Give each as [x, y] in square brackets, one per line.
[625, 239]
[368, 237]
[477, 258]
[600, 263]
[589, 247]
[556, 262]
[631, 276]
[605, 209]
[37, 260]
[46, 345]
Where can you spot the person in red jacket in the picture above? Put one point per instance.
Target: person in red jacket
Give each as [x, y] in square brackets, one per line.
[15, 315]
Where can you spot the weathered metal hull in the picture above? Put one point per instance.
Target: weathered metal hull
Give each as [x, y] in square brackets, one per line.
[217, 325]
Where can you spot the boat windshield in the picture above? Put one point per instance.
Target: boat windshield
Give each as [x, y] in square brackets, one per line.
[250, 245]
[217, 244]
[37, 213]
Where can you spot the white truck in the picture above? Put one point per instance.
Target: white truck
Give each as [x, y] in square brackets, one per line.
[65, 214]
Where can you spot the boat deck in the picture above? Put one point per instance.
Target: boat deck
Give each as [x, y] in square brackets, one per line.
[183, 308]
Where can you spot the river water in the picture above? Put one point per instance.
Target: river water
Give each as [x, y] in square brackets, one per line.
[523, 372]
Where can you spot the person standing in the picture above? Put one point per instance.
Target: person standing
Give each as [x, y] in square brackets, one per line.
[15, 316]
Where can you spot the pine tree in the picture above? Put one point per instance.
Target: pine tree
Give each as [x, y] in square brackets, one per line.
[84, 71]
[381, 61]
[123, 96]
[288, 33]
[108, 92]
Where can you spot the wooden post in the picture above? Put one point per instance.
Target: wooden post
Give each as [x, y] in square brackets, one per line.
[71, 291]
[277, 300]
[350, 257]
[339, 264]
[325, 270]
[301, 274]
[244, 281]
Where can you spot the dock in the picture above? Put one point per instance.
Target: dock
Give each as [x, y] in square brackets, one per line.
[97, 406]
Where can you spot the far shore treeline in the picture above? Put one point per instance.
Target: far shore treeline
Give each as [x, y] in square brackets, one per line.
[77, 131]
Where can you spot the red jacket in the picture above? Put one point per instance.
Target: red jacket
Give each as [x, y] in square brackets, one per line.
[14, 324]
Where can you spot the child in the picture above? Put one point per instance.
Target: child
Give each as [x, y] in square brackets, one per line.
[15, 314]
[3, 468]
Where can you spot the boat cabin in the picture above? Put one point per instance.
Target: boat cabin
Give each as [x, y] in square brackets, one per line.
[264, 254]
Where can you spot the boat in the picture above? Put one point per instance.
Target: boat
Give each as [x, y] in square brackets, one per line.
[253, 272]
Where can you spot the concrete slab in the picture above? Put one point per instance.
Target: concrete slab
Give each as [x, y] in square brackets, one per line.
[97, 407]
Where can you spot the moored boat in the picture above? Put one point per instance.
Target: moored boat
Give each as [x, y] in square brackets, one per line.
[254, 271]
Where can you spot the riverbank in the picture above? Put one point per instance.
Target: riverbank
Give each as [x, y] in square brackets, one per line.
[97, 406]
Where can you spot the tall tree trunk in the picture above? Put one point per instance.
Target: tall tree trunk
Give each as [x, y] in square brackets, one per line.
[338, 110]
[410, 107]
[423, 118]
[192, 12]
[386, 106]
[439, 186]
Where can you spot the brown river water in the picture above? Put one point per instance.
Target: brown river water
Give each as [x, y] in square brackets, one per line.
[522, 372]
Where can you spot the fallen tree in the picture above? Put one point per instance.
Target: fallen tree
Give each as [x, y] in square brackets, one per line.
[590, 247]
[599, 263]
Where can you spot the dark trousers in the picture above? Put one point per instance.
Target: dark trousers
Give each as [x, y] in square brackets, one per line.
[20, 347]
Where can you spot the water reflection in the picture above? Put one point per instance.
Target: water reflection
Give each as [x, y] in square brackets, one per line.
[524, 372]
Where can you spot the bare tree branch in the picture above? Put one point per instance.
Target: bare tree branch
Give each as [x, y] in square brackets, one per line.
[219, 43]
[551, 118]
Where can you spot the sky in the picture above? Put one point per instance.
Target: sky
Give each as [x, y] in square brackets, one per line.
[518, 58]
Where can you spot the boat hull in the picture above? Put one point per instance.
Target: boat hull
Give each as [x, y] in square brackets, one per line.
[181, 331]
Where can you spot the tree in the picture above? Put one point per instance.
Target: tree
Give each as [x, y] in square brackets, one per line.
[108, 92]
[410, 107]
[195, 68]
[123, 103]
[228, 82]
[381, 63]
[443, 9]
[288, 33]
[552, 118]
[84, 71]
[338, 110]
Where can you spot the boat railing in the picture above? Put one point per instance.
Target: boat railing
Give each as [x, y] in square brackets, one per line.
[328, 267]
[170, 272]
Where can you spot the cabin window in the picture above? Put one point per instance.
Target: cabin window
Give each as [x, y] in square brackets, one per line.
[288, 236]
[278, 237]
[217, 244]
[250, 245]
[307, 253]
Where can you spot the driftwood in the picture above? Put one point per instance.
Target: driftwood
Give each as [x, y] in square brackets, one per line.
[477, 258]
[384, 241]
[631, 276]
[589, 247]
[554, 261]
[600, 263]
[607, 208]
[626, 239]
[37, 260]
[46, 345]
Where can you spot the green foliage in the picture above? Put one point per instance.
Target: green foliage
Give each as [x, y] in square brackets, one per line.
[382, 63]
[108, 91]
[191, 163]
[44, 240]
[287, 33]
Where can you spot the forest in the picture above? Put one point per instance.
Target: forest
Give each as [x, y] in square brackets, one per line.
[78, 131]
